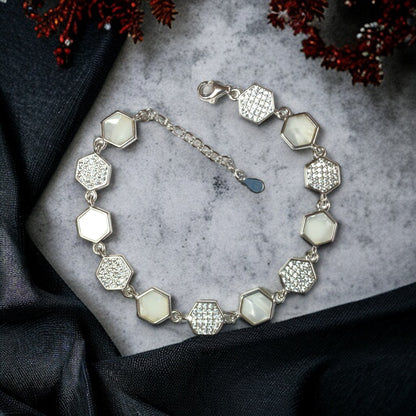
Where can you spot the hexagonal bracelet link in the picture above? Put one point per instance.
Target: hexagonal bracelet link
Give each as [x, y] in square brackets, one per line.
[256, 306]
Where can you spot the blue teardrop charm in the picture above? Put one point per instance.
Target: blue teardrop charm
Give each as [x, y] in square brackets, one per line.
[255, 185]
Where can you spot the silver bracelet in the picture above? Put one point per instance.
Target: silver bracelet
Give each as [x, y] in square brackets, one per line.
[256, 306]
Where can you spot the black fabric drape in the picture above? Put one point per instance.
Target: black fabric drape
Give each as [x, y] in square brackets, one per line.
[55, 358]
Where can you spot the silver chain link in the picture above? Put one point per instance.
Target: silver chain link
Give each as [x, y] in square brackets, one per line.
[149, 114]
[323, 204]
[283, 113]
[99, 249]
[318, 151]
[280, 296]
[91, 197]
[233, 93]
[99, 145]
[231, 317]
[312, 254]
[178, 317]
[130, 292]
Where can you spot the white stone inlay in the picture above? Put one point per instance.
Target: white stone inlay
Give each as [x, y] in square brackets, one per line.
[299, 131]
[154, 305]
[256, 306]
[114, 272]
[318, 228]
[94, 224]
[118, 129]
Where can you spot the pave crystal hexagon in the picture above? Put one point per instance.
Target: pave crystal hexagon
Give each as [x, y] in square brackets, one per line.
[297, 275]
[256, 103]
[322, 175]
[114, 272]
[94, 224]
[206, 317]
[118, 129]
[154, 306]
[318, 228]
[256, 306]
[299, 131]
[93, 172]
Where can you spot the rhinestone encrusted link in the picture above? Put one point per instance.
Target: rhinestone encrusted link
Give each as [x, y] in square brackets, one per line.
[256, 104]
[322, 175]
[297, 275]
[93, 172]
[114, 272]
[206, 317]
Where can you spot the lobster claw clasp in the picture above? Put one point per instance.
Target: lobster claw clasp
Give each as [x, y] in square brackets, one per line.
[211, 91]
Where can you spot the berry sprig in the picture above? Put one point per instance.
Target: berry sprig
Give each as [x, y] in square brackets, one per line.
[67, 17]
[395, 25]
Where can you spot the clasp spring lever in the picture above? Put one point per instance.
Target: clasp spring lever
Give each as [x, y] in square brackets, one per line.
[211, 91]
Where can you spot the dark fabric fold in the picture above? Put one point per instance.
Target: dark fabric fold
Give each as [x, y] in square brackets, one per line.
[56, 359]
[355, 359]
[44, 328]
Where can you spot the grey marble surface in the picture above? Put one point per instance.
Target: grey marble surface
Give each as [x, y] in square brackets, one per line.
[186, 225]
